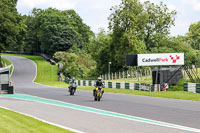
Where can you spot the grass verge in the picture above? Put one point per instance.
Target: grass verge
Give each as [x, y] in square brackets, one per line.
[47, 75]
[164, 94]
[7, 62]
[12, 122]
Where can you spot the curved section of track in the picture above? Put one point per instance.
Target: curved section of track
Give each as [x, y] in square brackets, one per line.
[173, 111]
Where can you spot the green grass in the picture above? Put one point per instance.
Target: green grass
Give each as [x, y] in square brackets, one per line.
[197, 71]
[143, 79]
[164, 94]
[8, 63]
[12, 122]
[148, 79]
[47, 74]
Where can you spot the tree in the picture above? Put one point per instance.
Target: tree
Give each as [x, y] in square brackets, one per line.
[11, 25]
[77, 23]
[137, 27]
[193, 35]
[158, 23]
[178, 45]
[99, 48]
[80, 66]
[53, 30]
[32, 42]
[126, 24]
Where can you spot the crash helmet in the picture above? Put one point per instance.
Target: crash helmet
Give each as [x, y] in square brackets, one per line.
[73, 80]
[99, 78]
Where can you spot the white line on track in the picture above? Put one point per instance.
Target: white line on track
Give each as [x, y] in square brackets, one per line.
[67, 128]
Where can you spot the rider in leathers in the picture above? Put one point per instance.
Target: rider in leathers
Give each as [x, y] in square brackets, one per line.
[98, 83]
[73, 84]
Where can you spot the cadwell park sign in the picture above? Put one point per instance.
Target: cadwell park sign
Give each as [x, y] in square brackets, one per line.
[160, 59]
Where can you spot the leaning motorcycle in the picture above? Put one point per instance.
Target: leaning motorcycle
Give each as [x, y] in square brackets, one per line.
[98, 94]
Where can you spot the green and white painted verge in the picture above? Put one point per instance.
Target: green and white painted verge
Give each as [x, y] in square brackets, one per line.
[192, 87]
[99, 111]
[119, 85]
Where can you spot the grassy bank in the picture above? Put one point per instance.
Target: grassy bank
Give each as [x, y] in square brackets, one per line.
[7, 62]
[12, 122]
[47, 74]
[164, 94]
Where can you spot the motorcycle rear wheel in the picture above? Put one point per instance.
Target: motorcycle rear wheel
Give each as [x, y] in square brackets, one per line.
[72, 92]
[95, 98]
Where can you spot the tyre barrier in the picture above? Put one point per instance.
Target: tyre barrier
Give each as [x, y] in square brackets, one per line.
[119, 85]
[192, 87]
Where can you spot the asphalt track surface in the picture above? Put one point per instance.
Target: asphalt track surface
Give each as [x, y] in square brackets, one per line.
[180, 112]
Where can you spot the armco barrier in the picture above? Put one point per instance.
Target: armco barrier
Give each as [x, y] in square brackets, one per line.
[127, 86]
[90, 83]
[122, 85]
[192, 87]
[197, 88]
[84, 83]
[132, 86]
[109, 84]
[137, 86]
[185, 86]
[118, 85]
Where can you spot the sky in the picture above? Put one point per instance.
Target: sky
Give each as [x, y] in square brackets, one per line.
[95, 13]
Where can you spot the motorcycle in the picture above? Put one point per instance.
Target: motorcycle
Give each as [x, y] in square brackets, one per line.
[98, 94]
[72, 89]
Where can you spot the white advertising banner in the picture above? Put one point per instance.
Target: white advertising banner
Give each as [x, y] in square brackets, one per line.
[161, 59]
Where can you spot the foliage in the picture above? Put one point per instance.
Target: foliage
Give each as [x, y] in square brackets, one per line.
[126, 24]
[53, 30]
[178, 45]
[193, 35]
[178, 87]
[79, 66]
[12, 28]
[99, 48]
[136, 27]
[158, 23]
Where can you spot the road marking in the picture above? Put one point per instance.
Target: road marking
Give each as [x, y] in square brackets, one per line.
[99, 111]
[67, 128]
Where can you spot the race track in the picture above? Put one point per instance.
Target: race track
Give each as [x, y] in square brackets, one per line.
[180, 112]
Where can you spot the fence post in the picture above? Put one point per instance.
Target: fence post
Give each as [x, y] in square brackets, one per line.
[146, 74]
[112, 76]
[136, 74]
[131, 73]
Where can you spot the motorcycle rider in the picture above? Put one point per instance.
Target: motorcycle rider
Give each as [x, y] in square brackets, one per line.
[100, 84]
[73, 85]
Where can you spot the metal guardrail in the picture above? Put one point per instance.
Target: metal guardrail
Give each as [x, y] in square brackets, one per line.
[118, 85]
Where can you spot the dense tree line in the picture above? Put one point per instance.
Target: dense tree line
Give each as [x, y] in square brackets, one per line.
[12, 28]
[134, 27]
[141, 28]
[52, 30]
